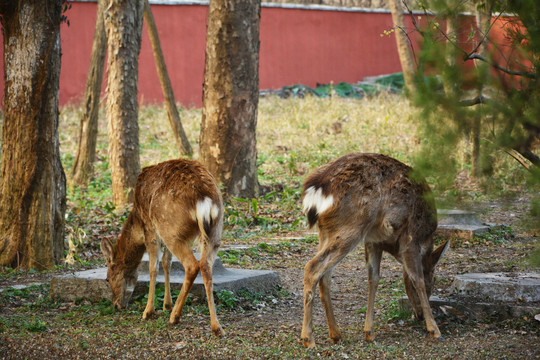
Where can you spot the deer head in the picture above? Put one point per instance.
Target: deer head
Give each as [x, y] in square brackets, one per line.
[121, 279]
[430, 261]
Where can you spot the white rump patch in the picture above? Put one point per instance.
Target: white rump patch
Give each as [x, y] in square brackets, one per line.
[315, 199]
[206, 210]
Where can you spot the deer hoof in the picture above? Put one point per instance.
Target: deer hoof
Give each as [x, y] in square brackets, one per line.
[335, 339]
[173, 320]
[436, 334]
[167, 307]
[219, 331]
[369, 336]
[148, 315]
[309, 342]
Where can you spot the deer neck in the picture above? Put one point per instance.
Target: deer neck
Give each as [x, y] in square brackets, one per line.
[129, 251]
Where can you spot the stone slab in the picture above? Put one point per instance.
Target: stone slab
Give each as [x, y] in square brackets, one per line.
[176, 265]
[512, 287]
[461, 231]
[473, 310]
[454, 217]
[92, 284]
[460, 223]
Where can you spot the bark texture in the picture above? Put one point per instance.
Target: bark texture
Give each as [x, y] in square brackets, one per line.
[184, 148]
[123, 25]
[231, 95]
[483, 23]
[86, 152]
[402, 41]
[32, 182]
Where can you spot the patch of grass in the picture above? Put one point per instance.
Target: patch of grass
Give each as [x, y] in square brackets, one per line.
[35, 326]
[262, 251]
[495, 236]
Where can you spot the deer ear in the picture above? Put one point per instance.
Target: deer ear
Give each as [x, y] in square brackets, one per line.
[438, 253]
[107, 248]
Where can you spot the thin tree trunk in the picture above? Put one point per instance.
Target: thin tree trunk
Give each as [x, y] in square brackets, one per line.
[402, 41]
[231, 95]
[32, 182]
[451, 54]
[86, 152]
[123, 24]
[182, 141]
[483, 21]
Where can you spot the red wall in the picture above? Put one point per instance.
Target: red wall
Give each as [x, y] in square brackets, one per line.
[182, 31]
[297, 46]
[310, 46]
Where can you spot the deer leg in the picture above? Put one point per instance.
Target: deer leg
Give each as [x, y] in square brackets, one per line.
[373, 261]
[325, 259]
[324, 288]
[191, 267]
[413, 267]
[152, 248]
[207, 260]
[166, 263]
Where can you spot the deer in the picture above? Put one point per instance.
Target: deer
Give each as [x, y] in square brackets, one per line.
[174, 202]
[375, 200]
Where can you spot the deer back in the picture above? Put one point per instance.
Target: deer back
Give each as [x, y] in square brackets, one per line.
[173, 195]
[370, 193]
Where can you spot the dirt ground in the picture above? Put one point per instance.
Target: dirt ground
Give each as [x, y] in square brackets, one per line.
[34, 327]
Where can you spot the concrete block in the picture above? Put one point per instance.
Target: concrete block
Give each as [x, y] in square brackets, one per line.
[460, 223]
[468, 309]
[489, 296]
[523, 287]
[92, 284]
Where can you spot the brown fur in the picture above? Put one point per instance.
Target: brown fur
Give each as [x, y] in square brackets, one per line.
[375, 200]
[164, 211]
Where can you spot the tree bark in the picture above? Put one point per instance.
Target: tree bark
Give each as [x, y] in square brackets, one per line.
[483, 22]
[32, 182]
[231, 95]
[182, 141]
[86, 152]
[451, 53]
[123, 24]
[402, 41]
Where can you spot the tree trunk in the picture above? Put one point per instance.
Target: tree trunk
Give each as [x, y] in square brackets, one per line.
[483, 22]
[231, 95]
[182, 141]
[123, 24]
[86, 152]
[448, 81]
[402, 41]
[32, 182]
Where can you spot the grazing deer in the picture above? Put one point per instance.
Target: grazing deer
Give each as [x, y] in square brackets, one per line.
[370, 198]
[175, 201]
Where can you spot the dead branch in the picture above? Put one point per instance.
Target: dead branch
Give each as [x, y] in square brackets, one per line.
[480, 99]
[527, 74]
[519, 158]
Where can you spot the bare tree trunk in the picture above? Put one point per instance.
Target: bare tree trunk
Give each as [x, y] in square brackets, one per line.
[451, 53]
[402, 41]
[231, 95]
[483, 22]
[32, 183]
[182, 141]
[86, 152]
[123, 24]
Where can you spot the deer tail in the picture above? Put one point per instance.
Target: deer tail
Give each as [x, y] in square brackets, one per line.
[206, 213]
[315, 203]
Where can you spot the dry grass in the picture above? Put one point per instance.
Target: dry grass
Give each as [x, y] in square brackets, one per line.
[297, 135]
[294, 136]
